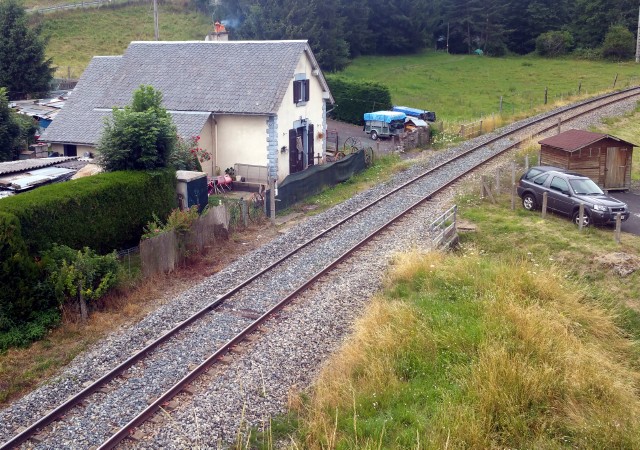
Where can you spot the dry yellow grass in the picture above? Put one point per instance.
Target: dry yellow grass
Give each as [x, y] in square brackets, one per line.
[550, 370]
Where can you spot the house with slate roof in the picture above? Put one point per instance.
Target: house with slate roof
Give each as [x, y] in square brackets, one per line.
[255, 103]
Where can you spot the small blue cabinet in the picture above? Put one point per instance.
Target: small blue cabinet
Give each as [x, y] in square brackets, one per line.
[192, 189]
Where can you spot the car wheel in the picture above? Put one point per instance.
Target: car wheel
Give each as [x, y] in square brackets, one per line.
[586, 220]
[374, 135]
[529, 202]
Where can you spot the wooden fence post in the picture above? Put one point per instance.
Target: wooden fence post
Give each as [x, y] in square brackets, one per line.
[618, 227]
[486, 189]
[546, 92]
[513, 185]
[245, 212]
[544, 205]
[615, 80]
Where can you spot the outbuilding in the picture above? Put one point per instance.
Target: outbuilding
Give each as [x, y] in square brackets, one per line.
[604, 158]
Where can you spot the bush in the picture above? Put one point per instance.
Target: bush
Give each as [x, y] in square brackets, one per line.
[354, 98]
[27, 312]
[103, 212]
[139, 137]
[79, 275]
[24, 334]
[18, 275]
[591, 54]
[554, 43]
[619, 43]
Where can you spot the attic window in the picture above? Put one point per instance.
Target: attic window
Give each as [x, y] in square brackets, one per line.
[300, 92]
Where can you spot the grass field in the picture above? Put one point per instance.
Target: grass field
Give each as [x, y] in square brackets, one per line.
[462, 87]
[523, 338]
[76, 36]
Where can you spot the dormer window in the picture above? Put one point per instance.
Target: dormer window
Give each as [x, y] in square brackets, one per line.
[300, 91]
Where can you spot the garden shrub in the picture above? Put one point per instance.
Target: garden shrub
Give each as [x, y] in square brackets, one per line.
[554, 43]
[26, 311]
[79, 275]
[619, 43]
[354, 98]
[104, 212]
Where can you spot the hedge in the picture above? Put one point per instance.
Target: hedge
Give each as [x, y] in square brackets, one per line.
[354, 98]
[104, 212]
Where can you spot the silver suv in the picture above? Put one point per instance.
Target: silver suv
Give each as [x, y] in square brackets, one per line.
[565, 191]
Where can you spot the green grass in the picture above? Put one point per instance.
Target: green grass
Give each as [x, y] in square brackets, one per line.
[76, 36]
[464, 88]
[521, 339]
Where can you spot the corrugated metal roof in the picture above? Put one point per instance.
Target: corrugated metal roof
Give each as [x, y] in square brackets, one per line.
[31, 164]
[27, 180]
[572, 140]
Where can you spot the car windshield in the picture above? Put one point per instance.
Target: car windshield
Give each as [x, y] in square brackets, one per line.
[585, 186]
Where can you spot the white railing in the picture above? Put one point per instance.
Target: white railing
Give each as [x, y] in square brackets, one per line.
[444, 228]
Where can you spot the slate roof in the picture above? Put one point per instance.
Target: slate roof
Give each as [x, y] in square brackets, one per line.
[231, 77]
[78, 122]
[572, 140]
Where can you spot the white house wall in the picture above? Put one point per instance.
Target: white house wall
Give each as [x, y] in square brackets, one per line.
[207, 141]
[241, 139]
[288, 113]
[81, 149]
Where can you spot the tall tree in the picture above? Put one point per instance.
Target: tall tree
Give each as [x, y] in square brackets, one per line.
[9, 128]
[24, 69]
[594, 17]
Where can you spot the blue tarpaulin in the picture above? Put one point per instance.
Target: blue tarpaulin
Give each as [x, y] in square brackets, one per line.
[385, 116]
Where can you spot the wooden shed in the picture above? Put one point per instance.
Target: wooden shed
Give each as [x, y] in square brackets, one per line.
[602, 157]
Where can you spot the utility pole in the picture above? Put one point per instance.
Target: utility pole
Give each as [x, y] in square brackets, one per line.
[447, 37]
[638, 39]
[155, 19]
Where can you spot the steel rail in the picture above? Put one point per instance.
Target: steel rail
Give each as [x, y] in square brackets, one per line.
[140, 355]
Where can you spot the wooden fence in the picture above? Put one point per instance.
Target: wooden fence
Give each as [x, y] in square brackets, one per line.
[471, 130]
[444, 229]
[77, 5]
[164, 252]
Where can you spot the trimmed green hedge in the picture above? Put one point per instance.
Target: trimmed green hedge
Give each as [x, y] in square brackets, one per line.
[354, 98]
[104, 212]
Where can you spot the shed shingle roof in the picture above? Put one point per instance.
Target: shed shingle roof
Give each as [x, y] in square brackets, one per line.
[572, 140]
[233, 77]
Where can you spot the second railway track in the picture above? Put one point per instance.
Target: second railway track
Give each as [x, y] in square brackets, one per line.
[90, 421]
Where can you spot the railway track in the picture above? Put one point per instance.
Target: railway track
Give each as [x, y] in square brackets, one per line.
[222, 324]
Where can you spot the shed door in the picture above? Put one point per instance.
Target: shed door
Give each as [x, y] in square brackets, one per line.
[616, 168]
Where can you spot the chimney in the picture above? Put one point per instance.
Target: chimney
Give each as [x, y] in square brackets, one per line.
[220, 33]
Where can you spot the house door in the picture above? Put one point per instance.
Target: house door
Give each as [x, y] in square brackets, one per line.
[616, 168]
[297, 154]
